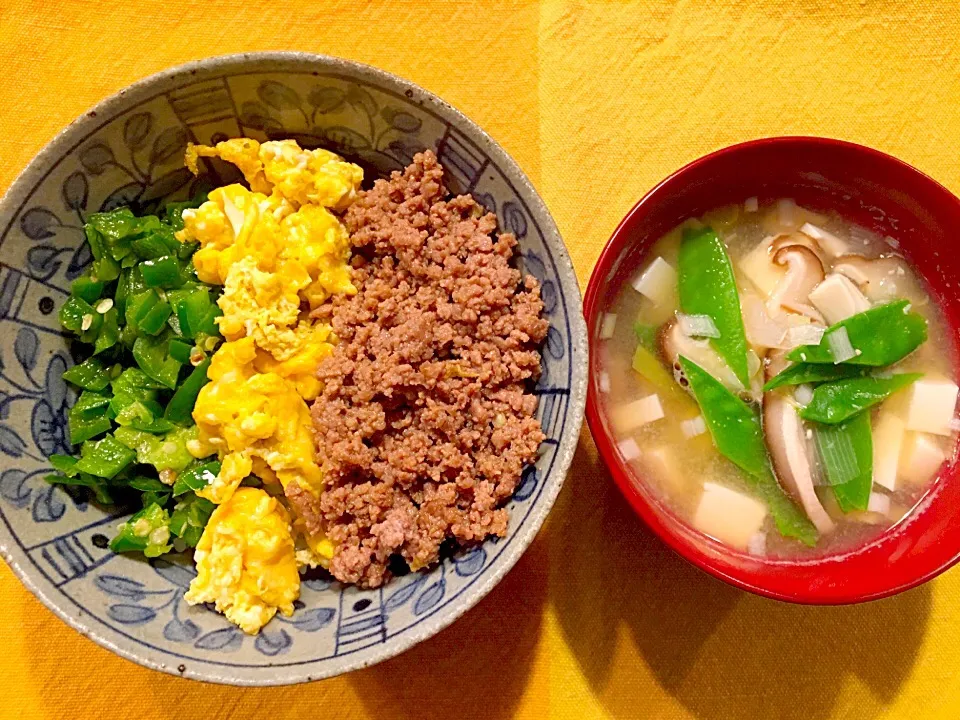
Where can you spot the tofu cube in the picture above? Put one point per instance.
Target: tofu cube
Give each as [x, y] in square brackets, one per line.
[931, 405]
[729, 516]
[887, 441]
[662, 467]
[638, 413]
[837, 298]
[658, 282]
[921, 458]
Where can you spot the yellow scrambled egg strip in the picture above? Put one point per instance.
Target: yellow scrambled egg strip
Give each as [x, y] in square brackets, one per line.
[276, 249]
[245, 561]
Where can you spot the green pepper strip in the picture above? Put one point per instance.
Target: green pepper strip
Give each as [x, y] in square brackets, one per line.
[190, 517]
[837, 401]
[736, 431]
[847, 453]
[708, 287]
[86, 288]
[882, 335]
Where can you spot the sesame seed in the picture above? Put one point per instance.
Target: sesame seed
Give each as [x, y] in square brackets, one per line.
[86, 322]
[104, 305]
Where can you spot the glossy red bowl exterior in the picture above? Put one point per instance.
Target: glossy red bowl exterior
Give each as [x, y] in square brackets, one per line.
[874, 190]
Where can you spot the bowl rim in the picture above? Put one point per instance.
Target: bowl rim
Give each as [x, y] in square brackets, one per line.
[679, 539]
[115, 105]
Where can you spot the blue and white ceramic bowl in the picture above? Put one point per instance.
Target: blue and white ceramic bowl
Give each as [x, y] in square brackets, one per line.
[129, 151]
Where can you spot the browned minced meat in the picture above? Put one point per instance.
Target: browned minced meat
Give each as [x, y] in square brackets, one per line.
[425, 421]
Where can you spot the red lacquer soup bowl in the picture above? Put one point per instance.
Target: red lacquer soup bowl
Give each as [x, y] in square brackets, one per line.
[871, 189]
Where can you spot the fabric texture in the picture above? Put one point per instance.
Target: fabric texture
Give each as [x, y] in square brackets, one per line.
[597, 102]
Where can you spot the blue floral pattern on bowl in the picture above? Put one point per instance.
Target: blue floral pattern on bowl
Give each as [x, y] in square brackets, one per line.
[129, 151]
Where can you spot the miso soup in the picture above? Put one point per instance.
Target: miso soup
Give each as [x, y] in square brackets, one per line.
[782, 379]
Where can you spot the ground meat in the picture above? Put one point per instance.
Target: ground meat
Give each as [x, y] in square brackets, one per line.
[425, 422]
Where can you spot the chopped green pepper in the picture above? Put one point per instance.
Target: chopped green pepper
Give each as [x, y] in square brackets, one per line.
[84, 429]
[737, 434]
[86, 288]
[847, 453]
[880, 336]
[90, 375]
[164, 272]
[196, 478]
[156, 319]
[78, 316]
[180, 407]
[104, 458]
[147, 484]
[189, 518]
[180, 350]
[164, 452]
[152, 357]
[708, 287]
[837, 401]
[109, 332]
[89, 405]
[148, 532]
[139, 305]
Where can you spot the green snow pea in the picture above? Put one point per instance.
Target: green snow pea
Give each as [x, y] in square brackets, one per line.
[708, 287]
[736, 431]
[837, 401]
[847, 453]
[882, 335]
[803, 373]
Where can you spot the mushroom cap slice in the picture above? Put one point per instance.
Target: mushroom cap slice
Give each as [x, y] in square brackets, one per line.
[784, 435]
[673, 343]
[804, 273]
[877, 278]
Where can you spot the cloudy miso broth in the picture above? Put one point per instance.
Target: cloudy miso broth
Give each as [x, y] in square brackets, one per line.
[781, 379]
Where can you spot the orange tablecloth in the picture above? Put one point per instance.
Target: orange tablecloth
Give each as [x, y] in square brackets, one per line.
[597, 102]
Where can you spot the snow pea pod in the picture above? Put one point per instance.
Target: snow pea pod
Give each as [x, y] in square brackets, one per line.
[881, 336]
[847, 453]
[708, 287]
[803, 373]
[834, 402]
[736, 431]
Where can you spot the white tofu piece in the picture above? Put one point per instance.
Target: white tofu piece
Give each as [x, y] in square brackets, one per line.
[662, 467]
[887, 441]
[751, 204]
[758, 267]
[837, 298]
[638, 413]
[729, 516]
[921, 458]
[629, 449]
[931, 405]
[878, 503]
[608, 324]
[658, 282]
[829, 243]
[604, 382]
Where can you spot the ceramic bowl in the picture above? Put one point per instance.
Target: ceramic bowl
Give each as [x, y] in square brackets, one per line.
[128, 150]
[876, 191]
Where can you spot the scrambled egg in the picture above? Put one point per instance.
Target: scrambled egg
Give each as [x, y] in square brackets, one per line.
[245, 561]
[279, 252]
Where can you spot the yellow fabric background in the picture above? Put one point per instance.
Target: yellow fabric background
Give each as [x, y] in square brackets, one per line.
[597, 102]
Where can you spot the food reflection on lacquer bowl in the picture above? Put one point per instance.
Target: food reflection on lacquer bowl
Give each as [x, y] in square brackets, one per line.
[869, 189]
